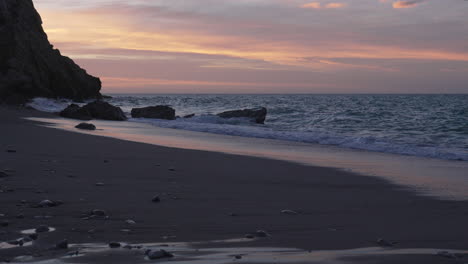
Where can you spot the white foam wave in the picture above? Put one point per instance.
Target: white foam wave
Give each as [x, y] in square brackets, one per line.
[245, 128]
[49, 105]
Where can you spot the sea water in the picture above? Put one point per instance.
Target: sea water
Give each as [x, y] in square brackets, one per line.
[434, 126]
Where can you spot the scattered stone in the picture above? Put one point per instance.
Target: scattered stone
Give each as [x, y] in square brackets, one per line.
[261, 233]
[98, 212]
[238, 257]
[49, 203]
[156, 199]
[106, 161]
[99, 184]
[257, 115]
[42, 229]
[3, 174]
[159, 254]
[171, 169]
[11, 151]
[18, 242]
[86, 126]
[40, 217]
[289, 212]
[158, 112]
[189, 116]
[249, 236]
[4, 223]
[447, 254]
[34, 236]
[62, 244]
[73, 253]
[126, 231]
[130, 222]
[233, 214]
[384, 243]
[114, 245]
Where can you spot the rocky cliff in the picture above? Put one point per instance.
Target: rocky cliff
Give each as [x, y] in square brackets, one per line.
[30, 66]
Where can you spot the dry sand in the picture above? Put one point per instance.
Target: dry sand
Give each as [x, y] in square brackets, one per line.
[199, 191]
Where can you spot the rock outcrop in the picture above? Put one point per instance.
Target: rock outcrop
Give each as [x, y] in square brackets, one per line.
[97, 109]
[258, 115]
[158, 112]
[30, 66]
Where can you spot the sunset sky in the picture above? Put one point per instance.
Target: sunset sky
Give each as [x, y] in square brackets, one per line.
[265, 46]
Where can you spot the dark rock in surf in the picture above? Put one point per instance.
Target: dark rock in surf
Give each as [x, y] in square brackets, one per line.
[103, 110]
[3, 174]
[4, 223]
[30, 66]
[261, 233]
[86, 126]
[76, 112]
[158, 112]
[114, 245]
[189, 116]
[158, 254]
[257, 115]
[385, 243]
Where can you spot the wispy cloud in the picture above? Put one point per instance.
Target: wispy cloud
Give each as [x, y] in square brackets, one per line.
[318, 5]
[407, 3]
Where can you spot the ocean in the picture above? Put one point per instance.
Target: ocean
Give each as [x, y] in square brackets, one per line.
[433, 126]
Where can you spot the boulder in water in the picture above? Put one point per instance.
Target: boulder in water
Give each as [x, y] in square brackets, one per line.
[158, 112]
[258, 115]
[103, 110]
[76, 112]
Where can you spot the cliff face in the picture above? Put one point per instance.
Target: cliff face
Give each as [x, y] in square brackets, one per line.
[30, 66]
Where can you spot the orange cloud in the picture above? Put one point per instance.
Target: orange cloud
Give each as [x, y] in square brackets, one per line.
[407, 3]
[317, 5]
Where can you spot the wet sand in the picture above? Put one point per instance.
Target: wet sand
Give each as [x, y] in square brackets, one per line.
[204, 196]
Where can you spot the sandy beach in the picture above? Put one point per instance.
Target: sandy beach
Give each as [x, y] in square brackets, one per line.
[204, 196]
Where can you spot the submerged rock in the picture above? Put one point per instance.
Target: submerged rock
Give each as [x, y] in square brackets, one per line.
[159, 112]
[257, 115]
[86, 126]
[30, 66]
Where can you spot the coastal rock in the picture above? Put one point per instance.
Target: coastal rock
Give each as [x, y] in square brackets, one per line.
[156, 199]
[261, 233]
[158, 112]
[3, 174]
[103, 110]
[75, 111]
[86, 126]
[158, 254]
[30, 66]
[385, 243]
[257, 115]
[189, 116]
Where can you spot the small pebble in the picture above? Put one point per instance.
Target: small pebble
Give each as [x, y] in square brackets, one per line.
[130, 222]
[156, 199]
[99, 184]
[159, 254]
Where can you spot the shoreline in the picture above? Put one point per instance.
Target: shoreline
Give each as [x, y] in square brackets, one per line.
[443, 179]
[199, 191]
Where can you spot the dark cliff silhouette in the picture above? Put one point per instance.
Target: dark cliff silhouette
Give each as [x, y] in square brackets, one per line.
[30, 66]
